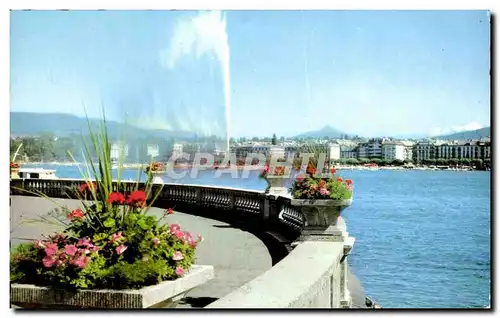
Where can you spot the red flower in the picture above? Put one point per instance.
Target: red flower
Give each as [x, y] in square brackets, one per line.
[333, 170]
[339, 179]
[169, 211]
[116, 197]
[322, 183]
[83, 187]
[265, 171]
[348, 181]
[311, 170]
[76, 214]
[137, 198]
[87, 186]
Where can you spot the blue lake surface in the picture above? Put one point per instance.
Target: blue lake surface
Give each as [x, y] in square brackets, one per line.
[422, 237]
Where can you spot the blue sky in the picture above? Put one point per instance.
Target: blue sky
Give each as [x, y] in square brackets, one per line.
[363, 72]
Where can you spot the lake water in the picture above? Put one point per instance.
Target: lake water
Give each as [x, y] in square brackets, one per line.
[422, 237]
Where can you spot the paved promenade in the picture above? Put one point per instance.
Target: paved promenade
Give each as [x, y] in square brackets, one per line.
[237, 256]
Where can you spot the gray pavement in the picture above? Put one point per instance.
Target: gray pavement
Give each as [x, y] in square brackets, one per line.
[237, 256]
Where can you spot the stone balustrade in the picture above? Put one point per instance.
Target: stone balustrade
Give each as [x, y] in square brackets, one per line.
[308, 270]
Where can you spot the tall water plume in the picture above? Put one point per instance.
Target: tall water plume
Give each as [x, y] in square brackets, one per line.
[204, 34]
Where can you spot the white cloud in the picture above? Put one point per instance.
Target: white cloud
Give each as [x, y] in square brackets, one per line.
[467, 127]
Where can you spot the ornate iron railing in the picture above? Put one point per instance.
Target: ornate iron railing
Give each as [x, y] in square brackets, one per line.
[247, 205]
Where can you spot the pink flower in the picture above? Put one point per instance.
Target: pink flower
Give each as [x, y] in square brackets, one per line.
[81, 261]
[50, 249]
[70, 250]
[179, 234]
[324, 191]
[120, 249]
[179, 271]
[174, 228]
[349, 187]
[178, 256]
[115, 237]
[200, 238]
[48, 261]
[300, 178]
[84, 242]
[156, 241]
[39, 244]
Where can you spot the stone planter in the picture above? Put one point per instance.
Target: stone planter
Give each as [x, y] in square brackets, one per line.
[157, 176]
[322, 218]
[277, 185]
[164, 295]
[14, 173]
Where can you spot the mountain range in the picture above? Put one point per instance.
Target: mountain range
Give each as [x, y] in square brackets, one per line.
[30, 124]
[468, 134]
[63, 125]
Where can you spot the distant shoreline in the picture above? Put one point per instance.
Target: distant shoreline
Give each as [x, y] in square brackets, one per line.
[239, 167]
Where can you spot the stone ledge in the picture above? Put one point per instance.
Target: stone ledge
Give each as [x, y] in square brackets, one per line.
[21, 294]
[320, 203]
[292, 283]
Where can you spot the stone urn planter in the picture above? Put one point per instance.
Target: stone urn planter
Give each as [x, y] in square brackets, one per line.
[322, 218]
[14, 173]
[167, 294]
[157, 176]
[277, 185]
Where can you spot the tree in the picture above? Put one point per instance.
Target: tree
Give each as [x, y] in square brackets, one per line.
[352, 161]
[363, 160]
[478, 163]
[397, 162]
[274, 140]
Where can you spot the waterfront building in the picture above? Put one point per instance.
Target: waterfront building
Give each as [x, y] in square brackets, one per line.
[408, 150]
[464, 150]
[393, 150]
[349, 152]
[119, 150]
[153, 151]
[371, 149]
[334, 151]
[177, 150]
[278, 151]
[424, 150]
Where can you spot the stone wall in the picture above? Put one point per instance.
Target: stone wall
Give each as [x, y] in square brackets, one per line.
[313, 275]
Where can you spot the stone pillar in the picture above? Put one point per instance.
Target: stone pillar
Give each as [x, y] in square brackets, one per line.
[323, 223]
